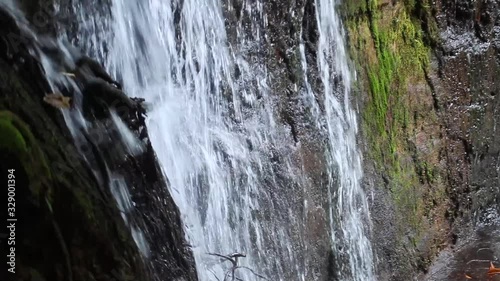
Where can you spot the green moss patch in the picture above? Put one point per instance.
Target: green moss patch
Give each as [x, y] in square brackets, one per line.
[390, 42]
[18, 140]
[12, 139]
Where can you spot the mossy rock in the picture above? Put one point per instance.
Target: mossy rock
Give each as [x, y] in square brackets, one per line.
[18, 141]
[12, 140]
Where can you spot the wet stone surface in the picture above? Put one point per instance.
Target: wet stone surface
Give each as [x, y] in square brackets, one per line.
[472, 255]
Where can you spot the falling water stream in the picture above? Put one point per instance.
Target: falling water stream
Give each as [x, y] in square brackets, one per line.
[227, 158]
[351, 206]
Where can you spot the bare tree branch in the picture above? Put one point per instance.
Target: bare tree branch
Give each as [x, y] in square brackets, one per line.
[213, 273]
[255, 273]
[226, 275]
[233, 258]
[224, 257]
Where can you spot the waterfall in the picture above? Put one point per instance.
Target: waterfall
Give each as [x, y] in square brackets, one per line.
[231, 165]
[350, 209]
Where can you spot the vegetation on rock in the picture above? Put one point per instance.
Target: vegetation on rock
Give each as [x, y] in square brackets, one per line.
[425, 117]
[391, 50]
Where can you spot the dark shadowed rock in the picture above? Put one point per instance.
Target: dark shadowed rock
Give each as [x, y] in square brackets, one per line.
[99, 97]
[71, 228]
[88, 66]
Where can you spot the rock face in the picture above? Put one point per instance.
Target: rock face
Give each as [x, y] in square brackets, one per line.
[466, 86]
[430, 69]
[69, 225]
[466, 83]
[288, 24]
[429, 106]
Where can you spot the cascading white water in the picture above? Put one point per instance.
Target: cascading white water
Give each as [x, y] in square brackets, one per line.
[344, 158]
[217, 137]
[42, 48]
[214, 151]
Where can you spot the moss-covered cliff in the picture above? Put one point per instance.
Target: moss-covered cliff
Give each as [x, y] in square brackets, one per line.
[69, 225]
[430, 71]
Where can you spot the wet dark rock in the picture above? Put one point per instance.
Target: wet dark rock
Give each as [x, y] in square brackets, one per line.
[71, 228]
[99, 98]
[477, 247]
[467, 76]
[88, 66]
[450, 139]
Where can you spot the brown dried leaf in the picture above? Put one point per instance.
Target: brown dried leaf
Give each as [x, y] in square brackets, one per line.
[493, 270]
[468, 276]
[57, 100]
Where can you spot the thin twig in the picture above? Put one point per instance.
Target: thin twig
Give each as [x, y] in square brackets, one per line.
[233, 258]
[222, 256]
[471, 261]
[255, 273]
[212, 271]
